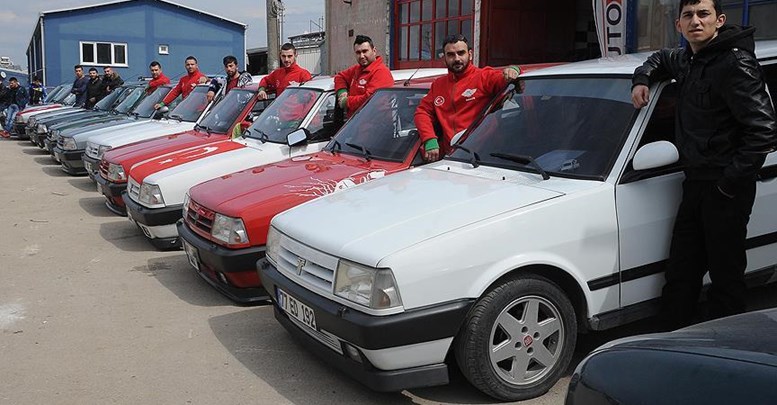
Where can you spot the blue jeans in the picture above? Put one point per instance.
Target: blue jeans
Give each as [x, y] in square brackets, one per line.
[10, 114]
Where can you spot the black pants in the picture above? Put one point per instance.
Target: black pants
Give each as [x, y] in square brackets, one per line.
[709, 235]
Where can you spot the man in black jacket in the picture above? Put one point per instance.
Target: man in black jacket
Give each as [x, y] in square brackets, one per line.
[111, 80]
[95, 90]
[724, 128]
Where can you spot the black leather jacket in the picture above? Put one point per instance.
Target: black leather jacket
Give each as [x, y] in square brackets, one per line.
[725, 122]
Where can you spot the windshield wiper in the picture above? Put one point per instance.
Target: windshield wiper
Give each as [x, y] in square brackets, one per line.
[207, 129]
[365, 152]
[175, 117]
[335, 143]
[262, 136]
[474, 158]
[522, 159]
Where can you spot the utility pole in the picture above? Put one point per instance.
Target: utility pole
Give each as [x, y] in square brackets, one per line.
[274, 13]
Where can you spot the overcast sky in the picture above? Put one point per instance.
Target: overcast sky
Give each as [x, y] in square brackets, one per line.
[18, 19]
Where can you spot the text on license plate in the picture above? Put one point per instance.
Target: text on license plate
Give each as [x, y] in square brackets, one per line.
[192, 254]
[296, 309]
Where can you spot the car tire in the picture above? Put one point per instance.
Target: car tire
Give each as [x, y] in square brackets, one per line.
[529, 362]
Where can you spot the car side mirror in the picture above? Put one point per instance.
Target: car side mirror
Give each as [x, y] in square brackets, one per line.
[655, 154]
[163, 109]
[456, 137]
[297, 137]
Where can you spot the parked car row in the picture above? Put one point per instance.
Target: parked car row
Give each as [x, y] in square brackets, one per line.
[552, 216]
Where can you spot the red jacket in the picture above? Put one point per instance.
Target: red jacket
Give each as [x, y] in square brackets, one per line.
[454, 102]
[159, 81]
[184, 86]
[360, 82]
[280, 78]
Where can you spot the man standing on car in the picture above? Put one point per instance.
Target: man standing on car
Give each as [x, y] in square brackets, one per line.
[79, 86]
[95, 90]
[724, 128]
[186, 84]
[111, 80]
[357, 83]
[235, 78]
[289, 74]
[454, 111]
[157, 77]
[18, 98]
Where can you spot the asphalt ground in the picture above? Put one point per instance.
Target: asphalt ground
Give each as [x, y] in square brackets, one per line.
[91, 313]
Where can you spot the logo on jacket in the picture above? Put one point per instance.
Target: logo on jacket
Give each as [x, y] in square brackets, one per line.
[439, 100]
[362, 81]
[293, 83]
[469, 93]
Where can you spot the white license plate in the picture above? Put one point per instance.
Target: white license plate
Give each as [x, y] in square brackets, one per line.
[192, 254]
[88, 166]
[296, 309]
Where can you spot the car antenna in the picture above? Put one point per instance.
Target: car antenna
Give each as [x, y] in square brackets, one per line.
[407, 82]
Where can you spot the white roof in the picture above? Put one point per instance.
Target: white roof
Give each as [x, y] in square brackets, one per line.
[126, 1]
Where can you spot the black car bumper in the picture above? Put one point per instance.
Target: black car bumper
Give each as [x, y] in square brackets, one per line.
[370, 332]
[20, 129]
[221, 267]
[152, 216]
[92, 166]
[70, 160]
[112, 192]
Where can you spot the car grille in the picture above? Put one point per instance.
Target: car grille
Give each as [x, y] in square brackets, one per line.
[104, 168]
[200, 218]
[133, 189]
[300, 262]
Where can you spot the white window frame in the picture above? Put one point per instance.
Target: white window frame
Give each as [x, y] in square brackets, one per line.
[164, 49]
[94, 53]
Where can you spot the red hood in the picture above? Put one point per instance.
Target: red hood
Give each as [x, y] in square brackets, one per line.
[159, 163]
[130, 154]
[258, 194]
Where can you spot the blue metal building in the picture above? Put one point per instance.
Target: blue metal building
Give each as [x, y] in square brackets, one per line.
[128, 35]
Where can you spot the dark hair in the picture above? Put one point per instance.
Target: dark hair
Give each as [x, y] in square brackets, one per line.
[155, 63]
[192, 58]
[93, 70]
[35, 78]
[360, 39]
[230, 59]
[13, 79]
[107, 67]
[288, 46]
[715, 3]
[453, 38]
[78, 67]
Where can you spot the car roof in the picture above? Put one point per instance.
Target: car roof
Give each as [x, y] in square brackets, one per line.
[625, 64]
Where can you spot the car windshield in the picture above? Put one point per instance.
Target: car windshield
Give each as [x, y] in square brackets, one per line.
[190, 108]
[64, 93]
[69, 99]
[106, 102]
[146, 107]
[55, 93]
[224, 114]
[571, 127]
[384, 128]
[129, 99]
[284, 115]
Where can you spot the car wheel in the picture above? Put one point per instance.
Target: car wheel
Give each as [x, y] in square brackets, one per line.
[518, 339]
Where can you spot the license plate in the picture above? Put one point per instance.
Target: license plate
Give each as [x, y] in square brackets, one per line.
[296, 309]
[88, 166]
[192, 254]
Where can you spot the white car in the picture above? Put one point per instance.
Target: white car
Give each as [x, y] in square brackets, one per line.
[553, 216]
[300, 121]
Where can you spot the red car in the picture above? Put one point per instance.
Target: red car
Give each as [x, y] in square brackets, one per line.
[225, 220]
[215, 127]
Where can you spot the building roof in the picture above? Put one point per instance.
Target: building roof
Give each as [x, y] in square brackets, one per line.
[109, 3]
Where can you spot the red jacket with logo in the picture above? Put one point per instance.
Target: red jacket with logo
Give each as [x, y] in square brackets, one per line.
[184, 86]
[159, 81]
[280, 78]
[361, 82]
[454, 101]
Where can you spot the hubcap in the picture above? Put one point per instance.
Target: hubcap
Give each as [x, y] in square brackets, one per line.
[526, 340]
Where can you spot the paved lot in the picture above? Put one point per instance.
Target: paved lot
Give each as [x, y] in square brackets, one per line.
[90, 313]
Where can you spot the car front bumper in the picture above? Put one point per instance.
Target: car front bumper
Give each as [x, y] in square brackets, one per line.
[112, 192]
[92, 166]
[70, 160]
[385, 353]
[158, 224]
[231, 271]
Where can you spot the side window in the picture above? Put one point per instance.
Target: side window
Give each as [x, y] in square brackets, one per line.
[323, 126]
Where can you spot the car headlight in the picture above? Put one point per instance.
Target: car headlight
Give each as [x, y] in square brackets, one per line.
[229, 230]
[185, 208]
[32, 121]
[18, 118]
[101, 151]
[69, 143]
[116, 173]
[151, 195]
[273, 245]
[370, 287]
[54, 134]
[42, 128]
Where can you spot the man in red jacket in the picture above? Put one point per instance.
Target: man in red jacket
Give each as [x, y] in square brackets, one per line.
[455, 100]
[357, 83]
[187, 83]
[289, 74]
[157, 77]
